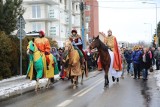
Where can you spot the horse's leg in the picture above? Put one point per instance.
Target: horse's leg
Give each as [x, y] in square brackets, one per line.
[48, 83]
[71, 77]
[106, 80]
[86, 68]
[106, 77]
[83, 72]
[82, 78]
[37, 85]
[75, 82]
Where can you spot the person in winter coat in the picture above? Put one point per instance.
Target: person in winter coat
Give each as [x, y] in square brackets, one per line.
[146, 63]
[128, 57]
[136, 58]
[157, 57]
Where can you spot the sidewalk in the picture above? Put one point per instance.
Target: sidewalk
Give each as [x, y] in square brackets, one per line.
[19, 85]
[157, 76]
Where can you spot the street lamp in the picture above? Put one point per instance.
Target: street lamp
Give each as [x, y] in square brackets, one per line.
[151, 29]
[156, 18]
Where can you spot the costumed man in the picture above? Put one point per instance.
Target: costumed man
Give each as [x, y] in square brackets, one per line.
[111, 42]
[44, 47]
[77, 43]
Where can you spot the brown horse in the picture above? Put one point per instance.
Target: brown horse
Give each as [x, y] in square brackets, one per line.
[104, 56]
[73, 63]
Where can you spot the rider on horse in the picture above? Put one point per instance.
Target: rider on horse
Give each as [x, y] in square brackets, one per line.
[111, 42]
[43, 46]
[76, 40]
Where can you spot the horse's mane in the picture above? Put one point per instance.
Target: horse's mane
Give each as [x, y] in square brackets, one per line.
[103, 46]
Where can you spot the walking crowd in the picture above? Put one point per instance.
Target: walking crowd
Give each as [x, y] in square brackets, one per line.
[139, 60]
[59, 53]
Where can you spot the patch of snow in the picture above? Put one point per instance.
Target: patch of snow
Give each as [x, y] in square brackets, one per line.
[12, 78]
[157, 76]
[17, 88]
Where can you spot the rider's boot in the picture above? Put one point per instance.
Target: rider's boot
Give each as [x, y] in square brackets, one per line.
[117, 79]
[113, 79]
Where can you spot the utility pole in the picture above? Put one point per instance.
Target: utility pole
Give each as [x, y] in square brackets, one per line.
[70, 16]
[82, 8]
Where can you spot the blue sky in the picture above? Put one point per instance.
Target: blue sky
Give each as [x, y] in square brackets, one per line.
[126, 18]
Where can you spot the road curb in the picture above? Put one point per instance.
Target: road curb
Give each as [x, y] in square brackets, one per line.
[22, 88]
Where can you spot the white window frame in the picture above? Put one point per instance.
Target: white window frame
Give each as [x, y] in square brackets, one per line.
[88, 8]
[37, 11]
[88, 18]
[37, 26]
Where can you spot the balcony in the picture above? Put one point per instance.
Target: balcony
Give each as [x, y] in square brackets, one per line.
[76, 13]
[76, 1]
[41, 19]
[48, 2]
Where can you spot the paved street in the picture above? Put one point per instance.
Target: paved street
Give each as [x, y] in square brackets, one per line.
[127, 93]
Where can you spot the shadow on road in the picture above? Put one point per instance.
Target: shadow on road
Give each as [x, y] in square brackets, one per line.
[146, 93]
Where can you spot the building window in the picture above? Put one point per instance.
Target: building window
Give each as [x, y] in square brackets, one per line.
[76, 7]
[72, 6]
[53, 31]
[65, 4]
[36, 11]
[88, 18]
[87, 7]
[36, 26]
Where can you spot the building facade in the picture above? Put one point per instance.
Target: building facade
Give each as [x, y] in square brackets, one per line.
[92, 18]
[51, 16]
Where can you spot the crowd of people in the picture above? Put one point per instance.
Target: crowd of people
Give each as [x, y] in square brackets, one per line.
[139, 60]
[90, 56]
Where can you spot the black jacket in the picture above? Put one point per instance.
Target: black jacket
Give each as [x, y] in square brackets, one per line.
[148, 62]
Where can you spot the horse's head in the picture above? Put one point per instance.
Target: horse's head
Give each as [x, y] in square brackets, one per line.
[31, 47]
[95, 43]
[68, 45]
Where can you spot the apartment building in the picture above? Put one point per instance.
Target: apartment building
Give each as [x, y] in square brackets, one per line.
[51, 16]
[92, 18]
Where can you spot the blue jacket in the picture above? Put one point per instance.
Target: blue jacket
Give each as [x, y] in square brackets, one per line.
[137, 57]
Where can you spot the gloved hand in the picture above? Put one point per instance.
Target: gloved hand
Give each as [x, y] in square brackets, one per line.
[71, 39]
[53, 64]
[46, 53]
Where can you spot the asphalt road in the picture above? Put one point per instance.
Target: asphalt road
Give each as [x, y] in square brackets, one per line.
[127, 93]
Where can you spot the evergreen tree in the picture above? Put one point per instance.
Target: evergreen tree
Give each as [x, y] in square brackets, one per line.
[9, 12]
[6, 53]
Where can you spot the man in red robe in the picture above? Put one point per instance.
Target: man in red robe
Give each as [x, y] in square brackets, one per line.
[111, 42]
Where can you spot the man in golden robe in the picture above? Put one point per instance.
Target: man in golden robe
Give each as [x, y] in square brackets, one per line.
[111, 42]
